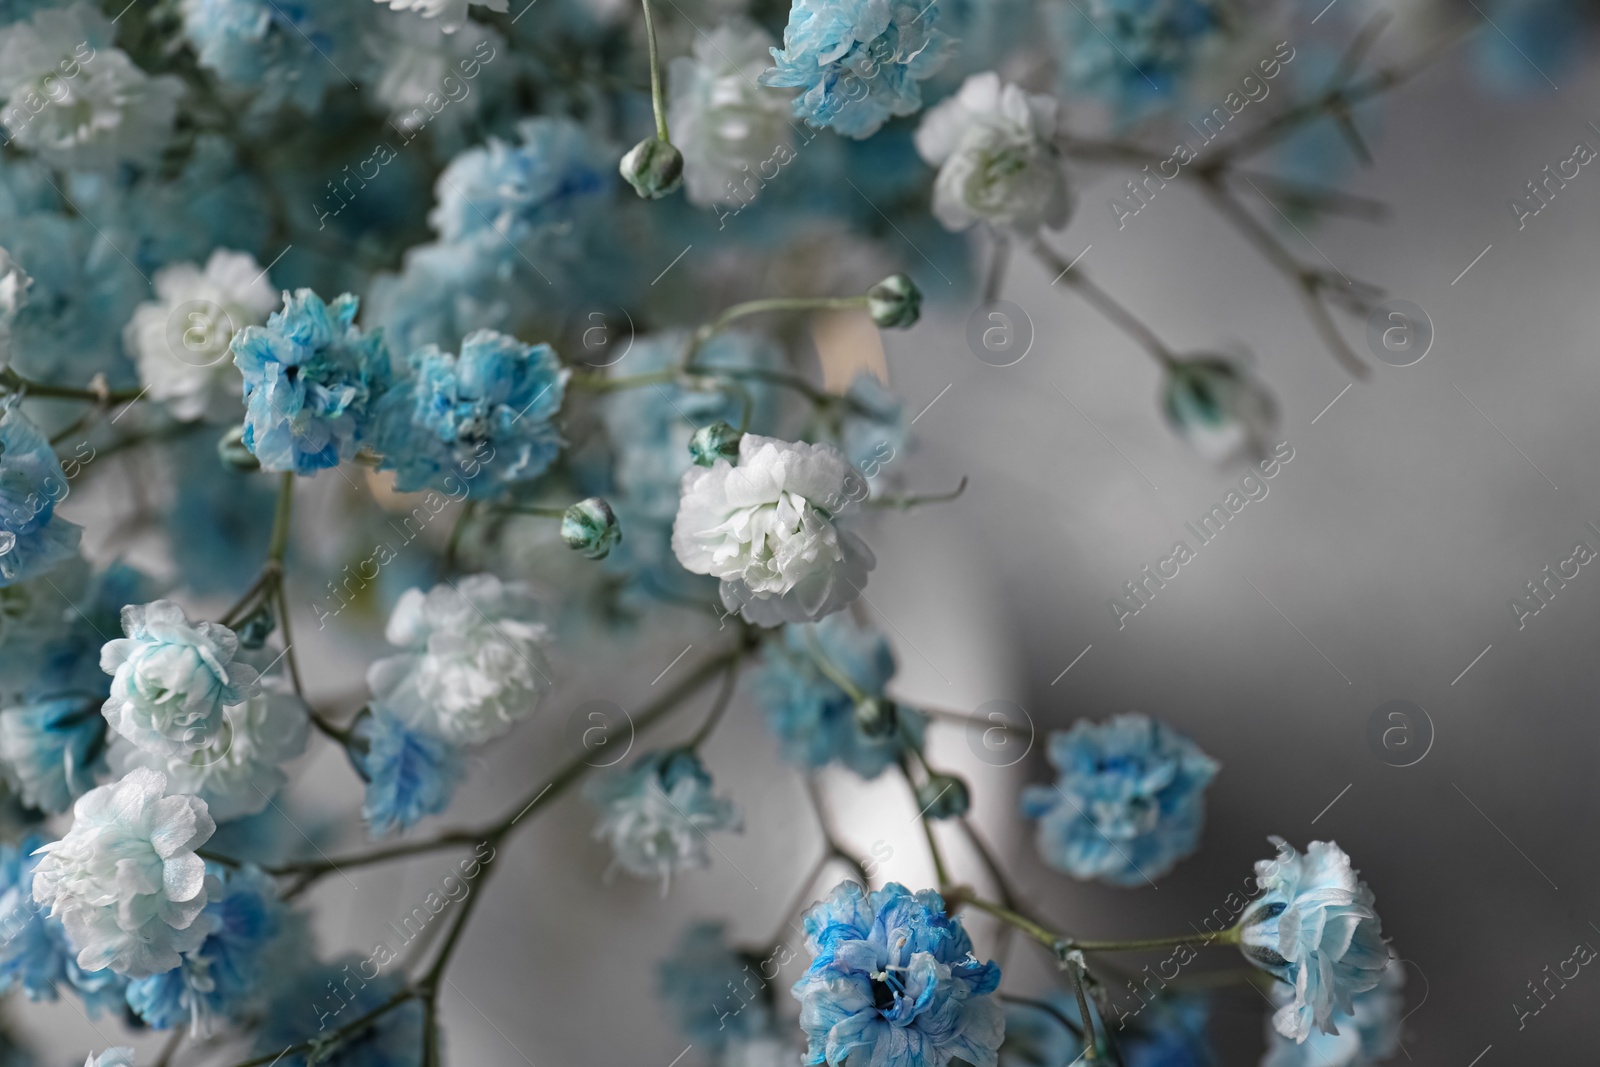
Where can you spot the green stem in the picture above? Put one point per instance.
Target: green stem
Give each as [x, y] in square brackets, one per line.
[829, 671]
[906, 501]
[1105, 304]
[280, 518]
[1057, 943]
[1230, 936]
[16, 383]
[657, 100]
[533, 509]
[724, 698]
[759, 307]
[1091, 1045]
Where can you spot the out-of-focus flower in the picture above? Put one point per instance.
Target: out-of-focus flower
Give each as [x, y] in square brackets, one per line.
[121, 1056]
[893, 981]
[1369, 1034]
[765, 528]
[310, 376]
[52, 748]
[181, 340]
[858, 62]
[1533, 41]
[171, 679]
[14, 282]
[33, 945]
[1129, 803]
[656, 814]
[993, 145]
[472, 663]
[429, 74]
[33, 538]
[452, 14]
[1132, 54]
[410, 773]
[717, 994]
[125, 881]
[288, 51]
[1315, 927]
[315, 998]
[1219, 408]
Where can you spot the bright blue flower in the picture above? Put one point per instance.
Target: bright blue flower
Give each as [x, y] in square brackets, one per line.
[409, 773]
[859, 61]
[656, 815]
[1533, 40]
[483, 417]
[221, 978]
[1369, 1033]
[310, 376]
[53, 748]
[33, 540]
[716, 993]
[893, 983]
[1129, 803]
[814, 718]
[322, 997]
[1132, 54]
[33, 947]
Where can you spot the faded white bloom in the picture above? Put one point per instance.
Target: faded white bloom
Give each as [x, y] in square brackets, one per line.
[180, 340]
[125, 881]
[239, 770]
[14, 284]
[656, 814]
[121, 1056]
[74, 100]
[734, 133]
[766, 528]
[472, 664]
[429, 70]
[997, 163]
[171, 679]
[452, 14]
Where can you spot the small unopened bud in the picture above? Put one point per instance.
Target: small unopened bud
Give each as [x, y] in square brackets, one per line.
[256, 628]
[943, 796]
[653, 167]
[895, 302]
[877, 717]
[234, 453]
[714, 442]
[590, 527]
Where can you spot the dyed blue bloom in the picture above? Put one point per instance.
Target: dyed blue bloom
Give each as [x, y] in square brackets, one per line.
[290, 51]
[1129, 803]
[220, 523]
[716, 993]
[221, 978]
[52, 749]
[444, 291]
[893, 983]
[483, 417]
[310, 375]
[325, 996]
[1132, 54]
[1533, 40]
[814, 718]
[33, 947]
[33, 540]
[1369, 1033]
[859, 61]
[657, 813]
[409, 773]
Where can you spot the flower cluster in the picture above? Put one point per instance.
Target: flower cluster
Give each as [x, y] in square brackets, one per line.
[657, 814]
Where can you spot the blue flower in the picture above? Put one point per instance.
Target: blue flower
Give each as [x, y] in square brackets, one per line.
[1533, 41]
[705, 982]
[32, 539]
[1132, 54]
[53, 748]
[859, 61]
[1369, 1033]
[286, 50]
[814, 718]
[33, 946]
[656, 814]
[409, 773]
[220, 978]
[483, 416]
[1129, 803]
[893, 983]
[322, 997]
[310, 376]
[1314, 927]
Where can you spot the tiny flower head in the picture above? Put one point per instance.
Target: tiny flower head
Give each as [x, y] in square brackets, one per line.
[713, 442]
[1368, 1034]
[410, 773]
[653, 167]
[656, 814]
[895, 303]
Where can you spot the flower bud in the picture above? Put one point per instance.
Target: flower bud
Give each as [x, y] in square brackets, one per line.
[943, 796]
[590, 527]
[895, 302]
[256, 628]
[1219, 408]
[714, 442]
[877, 717]
[234, 453]
[653, 167]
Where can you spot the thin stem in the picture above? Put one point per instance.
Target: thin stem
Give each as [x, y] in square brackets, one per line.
[452, 547]
[349, 1028]
[533, 509]
[170, 1049]
[1056, 943]
[1102, 301]
[724, 698]
[600, 383]
[1049, 1009]
[1229, 936]
[279, 546]
[939, 870]
[799, 900]
[906, 501]
[1091, 1048]
[269, 574]
[997, 268]
[829, 671]
[16, 383]
[758, 307]
[657, 99]
[825, 824]
[288, 641]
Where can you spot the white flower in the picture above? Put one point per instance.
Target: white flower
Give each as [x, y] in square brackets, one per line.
[125, 881]
[171, 679]
[74, 100]
[14, 284]
[424, 64]
[452, 14]
[657, 813]
[121, 1056]
[238, 771]
[766, 528]
[472, 664]
[734, 133]
[181, 340]
[992, 145]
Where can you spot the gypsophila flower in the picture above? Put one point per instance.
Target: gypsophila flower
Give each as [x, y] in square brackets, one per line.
[656, 815]
[487, 411]
[52, 748]
[76, 101]
[125, 881]
[121, 1056]
[287, 51]
[310, 375]
[993, 145]
[14, 282]
[814, 718]
[425, 66]
[765, 527]
[181, 340]
[238, 770]
[1314, 927]
[1132, 53]
[452, 14]
[1129, 802]
[33, 946]
[591, 527]
[1219, 408]
[171, 679]
[717, 994]
[1369, 1034]
[410, 773]
[859, 62]
[893, 983]
[33, 539]
[472, 664]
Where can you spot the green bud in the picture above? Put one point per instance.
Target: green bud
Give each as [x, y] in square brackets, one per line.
[943, 796]
[877, 717]
[895, 302]
[714, 442]
[256, 628]
[233, 453]
[653, 167]
[590, 527]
